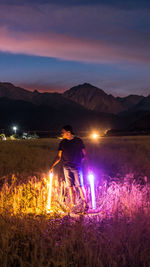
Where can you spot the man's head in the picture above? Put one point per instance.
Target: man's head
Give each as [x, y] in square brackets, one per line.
[67, 132]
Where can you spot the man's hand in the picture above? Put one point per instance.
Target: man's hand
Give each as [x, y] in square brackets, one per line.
[58, 158]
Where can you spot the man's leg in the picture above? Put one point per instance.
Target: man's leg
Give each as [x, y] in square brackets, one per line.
[83, 195]
[79, 183]
[72, 195]
[69, 184]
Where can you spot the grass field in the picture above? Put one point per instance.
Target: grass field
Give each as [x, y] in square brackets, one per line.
[117, 235]
[112, 156]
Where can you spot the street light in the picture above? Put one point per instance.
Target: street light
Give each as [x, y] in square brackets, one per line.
[15, 129]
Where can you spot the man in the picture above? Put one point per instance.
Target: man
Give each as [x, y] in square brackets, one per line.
[72, 151]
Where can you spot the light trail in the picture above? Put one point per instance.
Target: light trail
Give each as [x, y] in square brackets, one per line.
[82, 183]
[49, 193]
[91, 180]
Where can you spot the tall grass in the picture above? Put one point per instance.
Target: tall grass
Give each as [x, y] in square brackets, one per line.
[118, 156]
[31, 196]
[114, 156]
[117, 235]
[27, 156]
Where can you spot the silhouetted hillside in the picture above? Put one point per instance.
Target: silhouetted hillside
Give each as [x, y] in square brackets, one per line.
[85, 106]
[43, 117]
[130, 101]
[144, 104]
[10, 91]
[142, 124]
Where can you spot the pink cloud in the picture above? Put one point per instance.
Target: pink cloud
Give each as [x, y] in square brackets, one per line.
[67, 47]
[90, 33]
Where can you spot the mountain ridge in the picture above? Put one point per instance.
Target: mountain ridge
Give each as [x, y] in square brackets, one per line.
[86, 95]
[85, 106]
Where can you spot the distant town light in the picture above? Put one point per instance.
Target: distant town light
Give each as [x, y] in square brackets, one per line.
[15, 129]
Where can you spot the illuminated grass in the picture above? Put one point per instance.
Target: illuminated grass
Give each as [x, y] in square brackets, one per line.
[121, 198]
[118, 235]
[30, 197]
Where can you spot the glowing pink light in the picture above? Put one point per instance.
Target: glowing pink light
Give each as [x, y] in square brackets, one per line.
[81, 178]
[91, 180]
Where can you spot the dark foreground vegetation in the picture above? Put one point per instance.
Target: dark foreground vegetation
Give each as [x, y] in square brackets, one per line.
[53, 241]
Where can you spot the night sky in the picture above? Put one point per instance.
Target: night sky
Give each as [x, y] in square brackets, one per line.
[54, 45]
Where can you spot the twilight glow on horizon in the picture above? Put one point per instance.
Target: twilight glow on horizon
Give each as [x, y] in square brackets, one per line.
[53, 45]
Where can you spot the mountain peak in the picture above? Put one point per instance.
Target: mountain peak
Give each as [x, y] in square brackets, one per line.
[11, 91]
[85, 88]
[93, 98]
[86, 84]
[36, 92]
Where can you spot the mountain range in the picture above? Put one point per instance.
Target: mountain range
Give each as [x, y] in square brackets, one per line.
[84, 106]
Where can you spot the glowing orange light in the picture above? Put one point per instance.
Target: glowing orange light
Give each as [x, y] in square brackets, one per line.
[49, 192]
[94, 136]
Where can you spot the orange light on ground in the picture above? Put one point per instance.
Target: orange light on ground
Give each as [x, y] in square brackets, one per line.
[49, 192]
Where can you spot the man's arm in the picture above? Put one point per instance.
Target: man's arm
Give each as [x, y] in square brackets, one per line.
[57, 160]
[84, 154]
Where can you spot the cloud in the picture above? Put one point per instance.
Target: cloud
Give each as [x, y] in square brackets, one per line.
[98, 22]
[66, 47]
[51, 45]
[69, 18]
[130, 4]
[85, 33]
